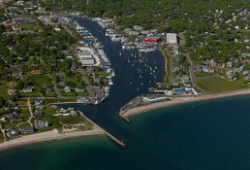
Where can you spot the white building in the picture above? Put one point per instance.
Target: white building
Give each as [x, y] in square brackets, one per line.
[154, 100]
[171, 38]
[86, 59]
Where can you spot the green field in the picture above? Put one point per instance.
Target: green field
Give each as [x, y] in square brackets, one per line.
[4, 91]
[220, 70]
[217, 84]
[199, 75]
[23, 125]
[1, 138]
[21, 102]
[52, 94]
[49, 111]
[35, 93]
[25, 114]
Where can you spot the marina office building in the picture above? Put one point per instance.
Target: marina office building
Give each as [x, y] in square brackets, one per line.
[86, 56]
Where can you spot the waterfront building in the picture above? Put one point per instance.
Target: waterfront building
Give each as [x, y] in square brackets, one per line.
[41, 123]
[154, 100]
[154, 39]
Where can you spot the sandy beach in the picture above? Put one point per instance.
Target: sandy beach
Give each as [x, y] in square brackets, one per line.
[47, 136]
[182, 100]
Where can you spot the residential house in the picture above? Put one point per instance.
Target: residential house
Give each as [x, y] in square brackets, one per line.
[73, 113]
[79, 90]
[61, 74]
[207, 69]
[12, 91]
[16, 114]
[41, 124]
[9, 116]
[127, 30]
[230, 64]
[133, 33]
[74, 72]
[16, 28]
[27, 130]
[246, 72]
[62, 83]
[19, 120]
[38, 102]
[67, 89]
[28, 89]
[36, 72]
[12, 133]
[17, 73]
[38, 113]
[47, 90]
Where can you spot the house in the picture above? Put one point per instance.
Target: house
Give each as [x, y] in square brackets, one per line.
[12, 133]
[67, 89]
[207, 69]
[62, 83]
[74, 72]
[38, 102]
[133, 33]
[9, 116]
[57, 29]
[79, 90]
[17, 73]
[12, 91]
[16, 28]
[73, 113]
[11, 102]
[230, 64]
[27, 130]
[41, 124]
[16, 114]
[40, 107]
[19, 120]
[137, 27]
[61, 74]
[38, 113]
[127, 30]
[28, 89]
[36, 72]
[246, 72]
[187, 84]
[47, 90]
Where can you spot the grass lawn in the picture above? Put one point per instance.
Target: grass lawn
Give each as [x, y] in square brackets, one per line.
[86, 93]
[44, 129]
[23, 125]
[21, 102]
[217, 84]
[72, 94]
[1, 138]
[199, 75]
[75, 79]
[4, 91]
[220, 70]
[49, 111]
[31, 27]
[25, 114]
[6, 126]
[35, 93]
[103, 74]
[52, 94]
[74, 120]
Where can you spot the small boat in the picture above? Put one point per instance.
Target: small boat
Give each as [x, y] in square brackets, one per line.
[97, 102]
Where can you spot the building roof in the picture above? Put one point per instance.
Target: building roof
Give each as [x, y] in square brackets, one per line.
[171, 36]
[152, 37]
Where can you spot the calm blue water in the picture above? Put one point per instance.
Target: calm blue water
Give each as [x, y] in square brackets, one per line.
[213, 135]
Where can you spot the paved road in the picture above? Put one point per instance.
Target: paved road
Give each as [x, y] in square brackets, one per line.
[88, 86]
[191, 71]
[47, 73]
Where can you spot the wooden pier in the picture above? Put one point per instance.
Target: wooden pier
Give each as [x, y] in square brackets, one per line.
[108, 134]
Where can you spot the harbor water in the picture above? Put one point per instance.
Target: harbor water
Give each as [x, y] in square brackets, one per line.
[212, 134]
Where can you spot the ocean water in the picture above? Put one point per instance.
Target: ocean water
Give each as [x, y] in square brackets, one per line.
[212, 135]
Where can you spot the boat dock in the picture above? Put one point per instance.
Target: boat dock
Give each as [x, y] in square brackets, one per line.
[107, 133]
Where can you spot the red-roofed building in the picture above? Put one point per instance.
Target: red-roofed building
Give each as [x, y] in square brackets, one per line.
[154, 39]
[74, 72]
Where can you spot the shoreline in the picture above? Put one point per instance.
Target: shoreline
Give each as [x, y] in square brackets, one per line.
[46, 136]
[165, 64]
[182, 100]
